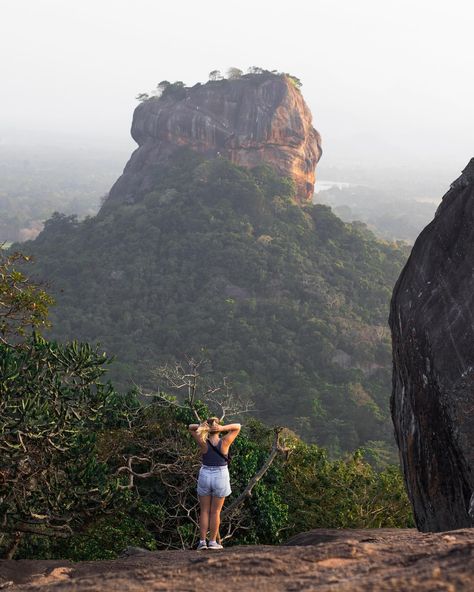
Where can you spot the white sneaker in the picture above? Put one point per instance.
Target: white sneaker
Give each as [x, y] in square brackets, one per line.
[214, 545]
[202, 545]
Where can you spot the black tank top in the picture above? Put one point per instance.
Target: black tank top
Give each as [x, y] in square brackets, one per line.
[211, 458]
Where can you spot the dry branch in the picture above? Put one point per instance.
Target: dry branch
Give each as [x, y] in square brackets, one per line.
[247, 492]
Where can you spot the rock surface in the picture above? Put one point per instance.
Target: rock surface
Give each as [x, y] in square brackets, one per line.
[432, 326]
[323, 560]
[256, 119]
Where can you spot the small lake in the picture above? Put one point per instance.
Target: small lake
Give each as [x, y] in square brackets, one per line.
[322, 185]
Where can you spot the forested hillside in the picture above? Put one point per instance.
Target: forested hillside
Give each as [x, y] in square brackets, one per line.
[218, 261]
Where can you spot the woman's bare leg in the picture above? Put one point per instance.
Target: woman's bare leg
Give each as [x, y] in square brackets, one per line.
[205, 506]
[215, 515]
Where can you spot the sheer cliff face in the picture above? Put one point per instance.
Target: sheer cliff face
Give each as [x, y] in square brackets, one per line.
[432, 322]
[251, 120]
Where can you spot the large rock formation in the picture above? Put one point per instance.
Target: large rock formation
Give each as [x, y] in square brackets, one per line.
[432, 322]
[255, 119]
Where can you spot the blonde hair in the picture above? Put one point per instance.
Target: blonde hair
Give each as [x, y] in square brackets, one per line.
[206, 426]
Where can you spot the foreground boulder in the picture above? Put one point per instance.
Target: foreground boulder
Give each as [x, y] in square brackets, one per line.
[253, 120]
[432, 322]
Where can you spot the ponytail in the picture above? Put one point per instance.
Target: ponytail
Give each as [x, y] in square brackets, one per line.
[205, 428]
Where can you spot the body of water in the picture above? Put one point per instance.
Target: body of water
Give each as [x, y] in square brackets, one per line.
[322, 185]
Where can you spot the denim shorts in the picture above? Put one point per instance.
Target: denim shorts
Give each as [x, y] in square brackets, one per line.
[214, 481]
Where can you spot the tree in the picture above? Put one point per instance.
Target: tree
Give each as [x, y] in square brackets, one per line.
[161, 463]
[23, 304]
[162, 86]
[256, 70]
[155, 453]
[234, 73]
[191, 381]
[177, 89]
[215, 75]
[142, 97]
[52, 406]
[294, 80]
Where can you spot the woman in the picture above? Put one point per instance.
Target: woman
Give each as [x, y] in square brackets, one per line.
[213, 482]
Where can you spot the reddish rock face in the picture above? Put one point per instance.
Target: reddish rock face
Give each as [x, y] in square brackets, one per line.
[253, 120]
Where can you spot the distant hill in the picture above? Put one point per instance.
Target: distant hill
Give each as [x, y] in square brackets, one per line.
[389, 216]
[287, 300]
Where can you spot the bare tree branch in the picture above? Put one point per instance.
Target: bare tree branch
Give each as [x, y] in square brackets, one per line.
[247, 492]
[190, 377]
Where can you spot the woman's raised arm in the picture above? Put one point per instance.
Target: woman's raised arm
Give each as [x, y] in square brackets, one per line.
[232, 430]
[230, 427]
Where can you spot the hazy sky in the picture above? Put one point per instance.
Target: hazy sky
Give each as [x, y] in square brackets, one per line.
[387, 81]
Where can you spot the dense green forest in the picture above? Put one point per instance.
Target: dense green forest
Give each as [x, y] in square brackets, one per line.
[218, 261]
[86, 471]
